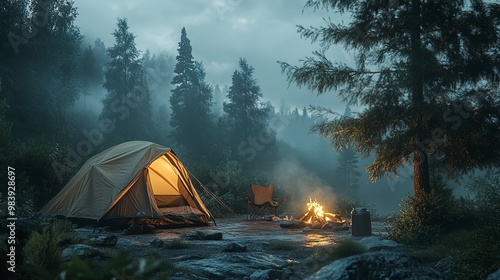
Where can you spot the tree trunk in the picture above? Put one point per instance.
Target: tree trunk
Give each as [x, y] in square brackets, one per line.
[421, 177]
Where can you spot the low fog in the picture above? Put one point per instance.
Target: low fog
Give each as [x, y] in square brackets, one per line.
[75, 93]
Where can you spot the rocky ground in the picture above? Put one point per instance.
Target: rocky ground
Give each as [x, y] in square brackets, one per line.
[210, 259]
[261, 250]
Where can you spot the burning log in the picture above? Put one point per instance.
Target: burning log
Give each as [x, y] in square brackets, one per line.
[315, 218]
[308, 216]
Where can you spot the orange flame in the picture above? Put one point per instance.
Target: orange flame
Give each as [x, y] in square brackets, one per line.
[318, 208]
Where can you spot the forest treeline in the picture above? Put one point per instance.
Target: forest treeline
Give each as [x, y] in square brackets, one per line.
[64, 100]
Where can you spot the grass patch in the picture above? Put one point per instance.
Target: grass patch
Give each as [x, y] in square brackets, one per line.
[452, 243]
[474, 253]
[282, 245]
[345, 248]
[176, 244]
[165, 269]
[432, 253]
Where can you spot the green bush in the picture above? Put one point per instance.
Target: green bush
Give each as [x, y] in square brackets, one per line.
[475, 255]
[446, 245]
[487, 202]
[439, 225]
[42, 250]
[426, 215]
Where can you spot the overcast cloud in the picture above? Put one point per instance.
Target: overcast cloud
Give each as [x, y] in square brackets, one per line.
[221, 31]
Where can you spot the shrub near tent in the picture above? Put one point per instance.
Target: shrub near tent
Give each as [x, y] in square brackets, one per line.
[129, 178]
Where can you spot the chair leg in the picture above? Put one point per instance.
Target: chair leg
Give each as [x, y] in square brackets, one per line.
[253, 211]
[258, 212]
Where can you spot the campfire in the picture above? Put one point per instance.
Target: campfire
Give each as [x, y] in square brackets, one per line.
[316, 218]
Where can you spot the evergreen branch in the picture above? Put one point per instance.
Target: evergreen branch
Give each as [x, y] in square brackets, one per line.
[340, 5]
[322, 75]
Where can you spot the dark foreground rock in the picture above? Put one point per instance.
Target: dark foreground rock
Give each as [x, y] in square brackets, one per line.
[445, 266]
[235, 265]
[186, 276]
[494, 276]
[378, 265]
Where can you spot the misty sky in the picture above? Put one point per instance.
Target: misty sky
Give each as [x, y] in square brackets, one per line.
[221, 31]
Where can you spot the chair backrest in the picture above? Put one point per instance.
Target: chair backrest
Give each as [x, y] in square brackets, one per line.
[262, 194]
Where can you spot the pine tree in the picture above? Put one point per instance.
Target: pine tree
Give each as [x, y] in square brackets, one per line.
[218, 101]
[249, 131]
[191, 100]
[159, 71]
[100, 54]
[126, 107]
[90, 69]
[425, 72]
[39, 58]
[243, 105]
[347, 174]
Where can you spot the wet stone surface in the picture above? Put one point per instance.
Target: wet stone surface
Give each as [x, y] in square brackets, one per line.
[208, 259]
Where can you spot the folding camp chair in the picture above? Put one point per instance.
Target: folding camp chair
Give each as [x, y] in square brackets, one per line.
[262, 200]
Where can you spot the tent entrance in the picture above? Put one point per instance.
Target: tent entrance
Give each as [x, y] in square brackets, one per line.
[163, 178]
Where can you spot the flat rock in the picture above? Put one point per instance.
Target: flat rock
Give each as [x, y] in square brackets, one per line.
[339, 228]
[104, 241]
[378, 265]
[200, 235]
[128, 242]
[80, 250]
[316, 225]
[157, 242]
[494, 276]
[377, 243]
[293, 224]
[213, 236]
[234, 247]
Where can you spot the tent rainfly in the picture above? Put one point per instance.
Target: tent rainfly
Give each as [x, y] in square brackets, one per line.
[129, 178]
